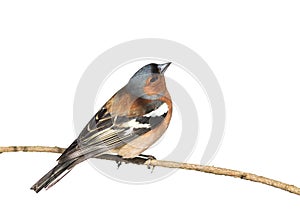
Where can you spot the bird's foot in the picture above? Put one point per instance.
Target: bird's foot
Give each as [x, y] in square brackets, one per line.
[119, 163]
[148, 157]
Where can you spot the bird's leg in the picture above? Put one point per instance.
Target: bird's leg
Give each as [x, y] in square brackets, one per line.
[119, 163]
[148, 157]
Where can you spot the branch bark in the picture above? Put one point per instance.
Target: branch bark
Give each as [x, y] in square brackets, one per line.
[169, 164]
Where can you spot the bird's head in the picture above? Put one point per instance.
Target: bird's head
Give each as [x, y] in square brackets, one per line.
[149, 81]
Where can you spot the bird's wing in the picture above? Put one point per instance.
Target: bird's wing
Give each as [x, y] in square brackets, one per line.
[105, 132]
[102, 119]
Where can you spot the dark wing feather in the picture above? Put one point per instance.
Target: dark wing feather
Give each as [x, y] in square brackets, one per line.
[94, 122]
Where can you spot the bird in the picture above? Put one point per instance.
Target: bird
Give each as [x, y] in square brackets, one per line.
[132, 120]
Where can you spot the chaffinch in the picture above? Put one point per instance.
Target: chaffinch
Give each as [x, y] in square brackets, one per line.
[128, 124]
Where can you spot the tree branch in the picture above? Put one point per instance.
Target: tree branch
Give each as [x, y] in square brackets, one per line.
[169, 164]
[31, 149]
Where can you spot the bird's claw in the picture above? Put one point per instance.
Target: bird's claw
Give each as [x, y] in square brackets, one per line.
[148, 157]
[150, 167]
[119, 163]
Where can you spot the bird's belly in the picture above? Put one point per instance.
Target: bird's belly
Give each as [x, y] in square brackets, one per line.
[142, 143]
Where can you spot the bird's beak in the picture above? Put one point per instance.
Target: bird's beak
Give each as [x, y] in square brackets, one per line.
[163, 67]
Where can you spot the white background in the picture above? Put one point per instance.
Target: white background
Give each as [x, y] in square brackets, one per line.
[253, 49]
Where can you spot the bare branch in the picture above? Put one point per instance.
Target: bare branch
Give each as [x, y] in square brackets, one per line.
[169, 164]
[31, 149]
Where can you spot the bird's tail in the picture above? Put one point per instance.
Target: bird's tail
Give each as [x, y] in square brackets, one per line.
[53, 176]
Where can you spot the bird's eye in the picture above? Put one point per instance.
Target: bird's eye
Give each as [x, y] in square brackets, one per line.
[153, 79]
